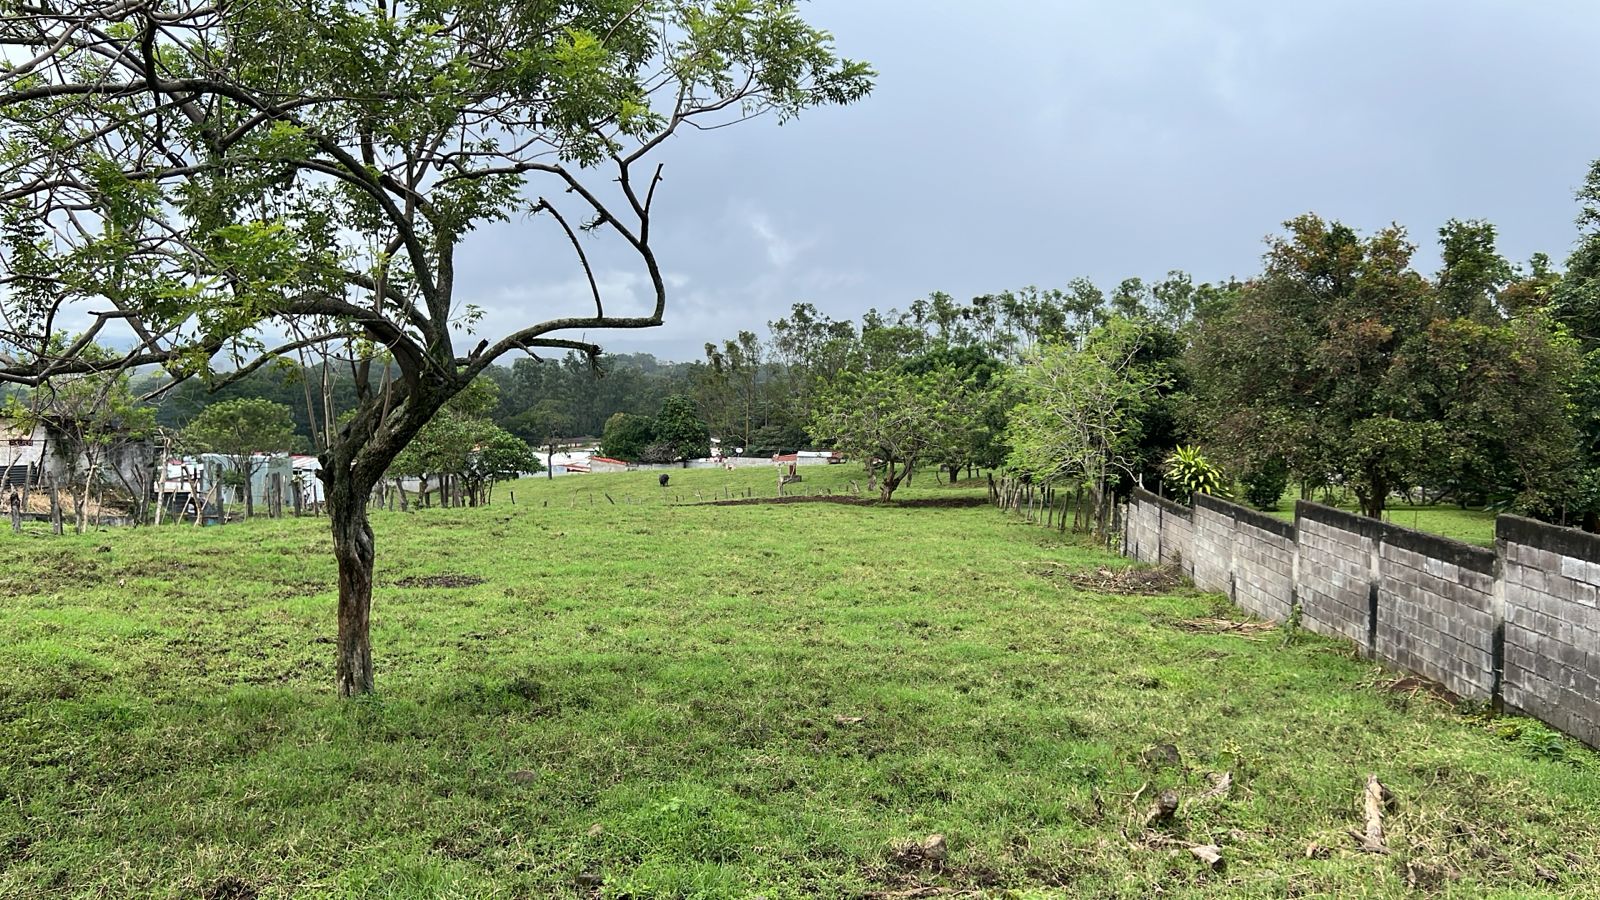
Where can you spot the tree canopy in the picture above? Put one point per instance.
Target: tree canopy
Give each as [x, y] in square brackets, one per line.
[893, 419]
[1078, 418]
[1342, 362]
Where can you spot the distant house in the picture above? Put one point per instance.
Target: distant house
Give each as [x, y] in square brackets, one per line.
[808, 458]
[187, 477]
[599, 464]
[23, 453]
[305, 478]
[31, 455]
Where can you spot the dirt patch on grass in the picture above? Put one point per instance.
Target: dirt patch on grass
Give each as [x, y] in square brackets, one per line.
[230, 888]
[447, 580]
[1130, 581]
[1412, 685]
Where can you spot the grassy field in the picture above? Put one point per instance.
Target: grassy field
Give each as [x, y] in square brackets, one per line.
[650, 698]
[1472, 526]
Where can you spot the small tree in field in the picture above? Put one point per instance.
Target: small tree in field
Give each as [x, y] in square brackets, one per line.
[496, 455]
[628, 436]
[895, 419]
[241, 430]
[542, 426]
[233, 182]
[1079, 415]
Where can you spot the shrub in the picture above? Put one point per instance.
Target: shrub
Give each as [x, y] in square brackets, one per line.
[1264, 485]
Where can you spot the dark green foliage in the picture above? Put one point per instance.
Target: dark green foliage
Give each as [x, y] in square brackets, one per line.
[1343, 362]
[541, 424]
[1264, 485]
[679, 428]
[626, 437]
[980, 376]
[1574, 301]
[774, 439]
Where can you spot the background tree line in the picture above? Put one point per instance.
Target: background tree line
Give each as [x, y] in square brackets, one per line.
[1339, 366]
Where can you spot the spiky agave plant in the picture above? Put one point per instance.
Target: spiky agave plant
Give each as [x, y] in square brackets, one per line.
[1188, 472]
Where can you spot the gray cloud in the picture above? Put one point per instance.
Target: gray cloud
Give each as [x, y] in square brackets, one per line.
[1014, 142]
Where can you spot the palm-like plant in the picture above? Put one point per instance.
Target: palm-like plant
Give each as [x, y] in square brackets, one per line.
[1189, 473]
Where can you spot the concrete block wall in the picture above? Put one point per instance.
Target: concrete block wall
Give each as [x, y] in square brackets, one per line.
[1177, 536]
[1437, 612]
[1263, 567]
[1517, 626]
[1157, 530]
[1211, 546]
[1141, 523]
[1337, 574]
[1551, 578]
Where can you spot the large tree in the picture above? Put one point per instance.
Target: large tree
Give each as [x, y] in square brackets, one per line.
[237, 181]
[1574, 299]
[679, 427]
[979, 376]
[1342, 362]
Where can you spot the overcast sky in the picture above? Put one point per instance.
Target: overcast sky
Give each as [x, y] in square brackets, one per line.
[1017, 142]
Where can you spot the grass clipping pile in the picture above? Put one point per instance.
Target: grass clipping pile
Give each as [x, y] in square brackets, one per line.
[1129, 581]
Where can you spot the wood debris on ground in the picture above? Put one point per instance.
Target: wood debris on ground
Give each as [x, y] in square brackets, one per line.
[931, 851]
[1124, 580]
[1221, 784]
[1210, 854]
[1250, 631]
[1375, 799]
[1163, 809]
[1412, 685]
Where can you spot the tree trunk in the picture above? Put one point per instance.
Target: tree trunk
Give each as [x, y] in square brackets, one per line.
[55, 506]
[161, 484]
[81, 501]
[1372, 504]
[891, 480]
[353, 549]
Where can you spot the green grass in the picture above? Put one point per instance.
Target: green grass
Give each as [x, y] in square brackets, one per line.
[1471, 526]
[652, 699]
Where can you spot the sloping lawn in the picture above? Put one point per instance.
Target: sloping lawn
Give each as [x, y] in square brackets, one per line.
[649, 698]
